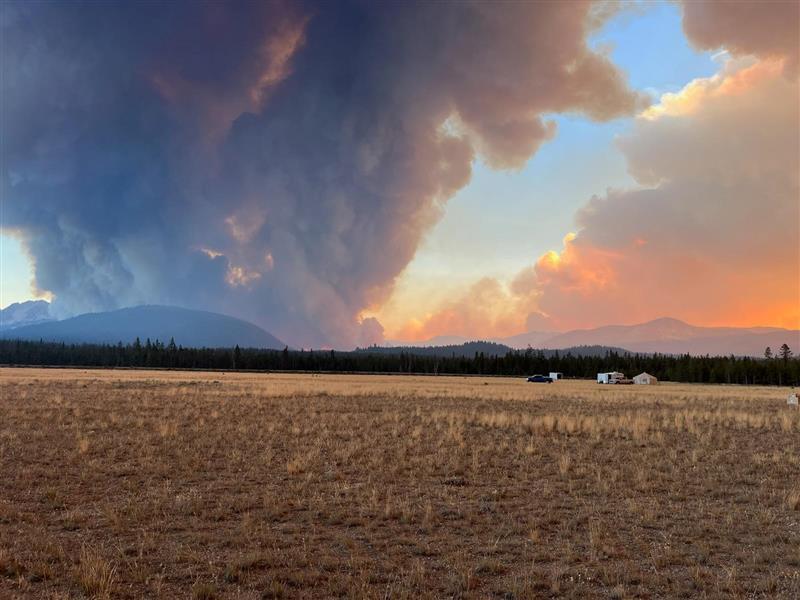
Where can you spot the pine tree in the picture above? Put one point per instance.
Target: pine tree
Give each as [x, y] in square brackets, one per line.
[237, 357]
[785, 353]
[768, 353]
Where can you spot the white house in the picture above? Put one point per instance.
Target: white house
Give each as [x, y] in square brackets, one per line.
[645, 379]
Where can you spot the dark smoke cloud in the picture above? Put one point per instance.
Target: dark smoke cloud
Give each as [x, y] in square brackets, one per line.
[277, 161]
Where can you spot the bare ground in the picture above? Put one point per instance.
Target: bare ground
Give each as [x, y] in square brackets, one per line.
[138, 484]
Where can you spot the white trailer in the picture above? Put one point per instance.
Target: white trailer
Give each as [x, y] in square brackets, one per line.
[611, 377]
[556, 376]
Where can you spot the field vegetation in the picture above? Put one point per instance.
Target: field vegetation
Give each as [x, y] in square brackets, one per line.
[131, 484]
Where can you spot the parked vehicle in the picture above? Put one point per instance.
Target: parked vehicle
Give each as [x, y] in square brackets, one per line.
[539, 379]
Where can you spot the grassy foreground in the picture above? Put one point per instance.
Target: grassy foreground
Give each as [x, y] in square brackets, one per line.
[208, 485]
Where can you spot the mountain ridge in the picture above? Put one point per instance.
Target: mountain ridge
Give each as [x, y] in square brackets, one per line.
[20, 314]
[488, 348]
[191, 328]
[665, 335]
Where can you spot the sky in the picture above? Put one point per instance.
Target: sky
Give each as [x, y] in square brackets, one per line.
[351, 175]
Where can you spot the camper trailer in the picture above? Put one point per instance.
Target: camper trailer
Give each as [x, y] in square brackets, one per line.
[612, 377]
[556, 376]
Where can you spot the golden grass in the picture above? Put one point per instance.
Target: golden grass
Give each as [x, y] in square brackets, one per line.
[207, 485]
[94, 574]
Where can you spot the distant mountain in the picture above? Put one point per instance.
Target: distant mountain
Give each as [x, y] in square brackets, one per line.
[742, 344]
[465, 349]
[468, 349]
[671, 336]
[534, 339]
[665, 335]
[191, 328]
[523, 340]
[20, 314]
[439, 340]
[584, 350]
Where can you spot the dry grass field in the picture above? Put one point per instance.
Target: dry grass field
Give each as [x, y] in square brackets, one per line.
[132, 484]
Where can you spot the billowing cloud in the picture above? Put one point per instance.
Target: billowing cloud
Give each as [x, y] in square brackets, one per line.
[764, 28]
[279, 161]
[486, 309]
[712, 236]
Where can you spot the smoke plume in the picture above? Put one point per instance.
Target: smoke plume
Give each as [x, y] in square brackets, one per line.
[276, 161]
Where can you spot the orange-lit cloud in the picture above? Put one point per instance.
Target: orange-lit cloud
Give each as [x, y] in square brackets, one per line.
[210, 252]
[276, 53]
[200, 100]
[567, 269]
[736, 77]
[244, 226]
[241, 277]
[484, 310]
[714, 239]
[712, 236]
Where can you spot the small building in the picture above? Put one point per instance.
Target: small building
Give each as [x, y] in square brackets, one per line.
[611, 377]
[556, 376]
[645, 379]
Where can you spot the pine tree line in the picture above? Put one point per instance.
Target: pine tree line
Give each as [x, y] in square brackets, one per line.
[784, 370]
